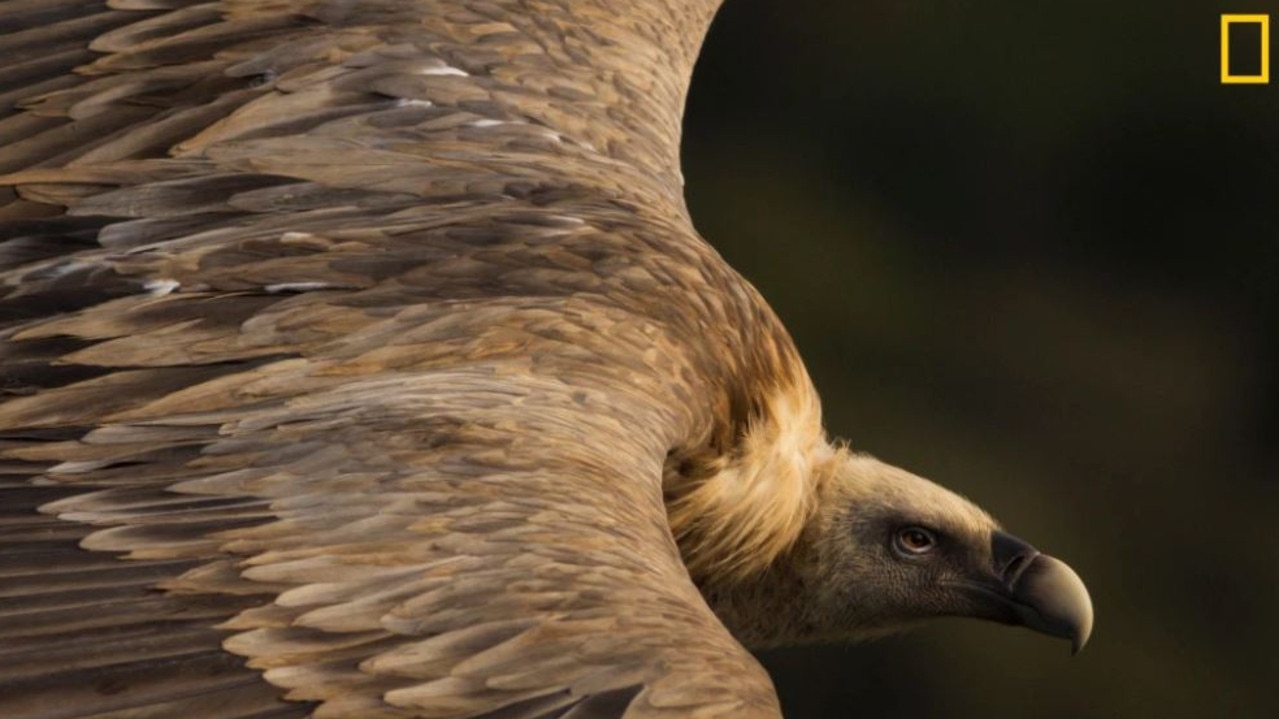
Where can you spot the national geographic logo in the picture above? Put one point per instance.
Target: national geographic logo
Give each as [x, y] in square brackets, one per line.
[1245, 49]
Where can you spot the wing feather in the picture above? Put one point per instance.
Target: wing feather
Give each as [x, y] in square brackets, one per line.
[344, 347]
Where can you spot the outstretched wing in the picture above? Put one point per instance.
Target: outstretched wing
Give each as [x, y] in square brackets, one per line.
[343, 347]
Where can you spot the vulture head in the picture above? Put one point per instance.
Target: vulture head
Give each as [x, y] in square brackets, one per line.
[890, 548]
[873, 550]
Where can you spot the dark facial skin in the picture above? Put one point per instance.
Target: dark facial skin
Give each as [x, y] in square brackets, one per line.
[921, 569]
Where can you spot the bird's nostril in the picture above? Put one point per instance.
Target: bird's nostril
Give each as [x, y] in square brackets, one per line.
[1014, 566]
[1011, 556]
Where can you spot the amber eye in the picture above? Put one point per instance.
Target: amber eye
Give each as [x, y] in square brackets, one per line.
[915, 540]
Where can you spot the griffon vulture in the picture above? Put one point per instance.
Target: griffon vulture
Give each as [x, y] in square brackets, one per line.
[360, 360]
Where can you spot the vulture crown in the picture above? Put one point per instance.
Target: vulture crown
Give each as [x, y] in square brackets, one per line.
[360, 359]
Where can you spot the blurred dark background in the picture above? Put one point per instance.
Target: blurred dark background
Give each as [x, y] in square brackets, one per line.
[1029, 250]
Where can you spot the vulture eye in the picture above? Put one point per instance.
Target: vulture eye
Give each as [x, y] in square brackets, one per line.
[914, 541]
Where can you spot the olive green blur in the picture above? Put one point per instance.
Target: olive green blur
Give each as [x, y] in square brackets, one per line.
[1029, 251]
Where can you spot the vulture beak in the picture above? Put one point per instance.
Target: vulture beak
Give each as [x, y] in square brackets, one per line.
[1037, 591]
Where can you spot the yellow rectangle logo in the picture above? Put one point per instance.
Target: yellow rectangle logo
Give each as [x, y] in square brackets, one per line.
[1263, 78]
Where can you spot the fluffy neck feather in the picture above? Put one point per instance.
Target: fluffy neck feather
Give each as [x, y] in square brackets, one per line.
[734, 514]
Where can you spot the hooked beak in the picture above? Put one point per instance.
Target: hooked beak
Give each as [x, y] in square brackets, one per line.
[1035, 591]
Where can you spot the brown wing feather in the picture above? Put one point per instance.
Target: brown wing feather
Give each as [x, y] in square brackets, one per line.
[344, 344]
